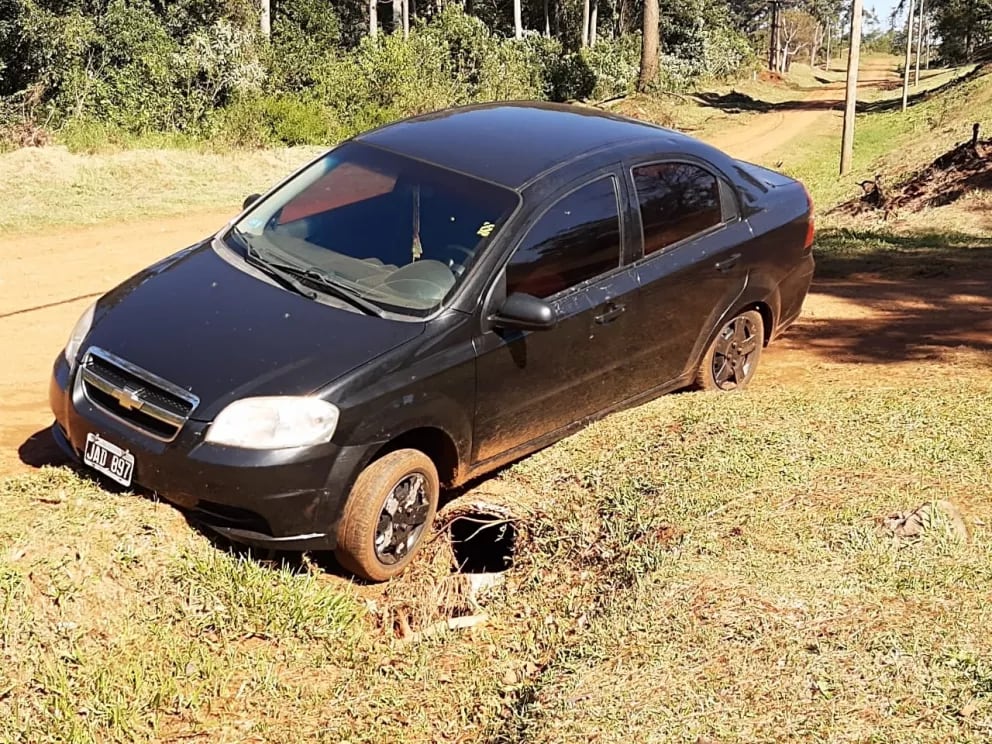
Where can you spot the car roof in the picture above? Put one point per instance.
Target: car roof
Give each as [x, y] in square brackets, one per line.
[512, 143]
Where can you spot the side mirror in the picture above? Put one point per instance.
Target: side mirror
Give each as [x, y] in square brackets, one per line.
[249, 200]
[525, 312]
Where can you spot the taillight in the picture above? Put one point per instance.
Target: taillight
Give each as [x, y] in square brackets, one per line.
[810, 223]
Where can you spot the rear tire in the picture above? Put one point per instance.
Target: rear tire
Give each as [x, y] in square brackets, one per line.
[388, 515]
[732, 358]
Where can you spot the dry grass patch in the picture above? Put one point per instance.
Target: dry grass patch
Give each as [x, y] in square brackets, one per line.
[51, 186]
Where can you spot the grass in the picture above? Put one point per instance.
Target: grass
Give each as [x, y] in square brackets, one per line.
[52, 186]
[708, 566]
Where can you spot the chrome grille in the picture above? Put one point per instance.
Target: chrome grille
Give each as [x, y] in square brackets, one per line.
[135, 396]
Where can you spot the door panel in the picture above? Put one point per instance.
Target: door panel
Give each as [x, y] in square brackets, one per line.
[684, 291]
[531, 384]
[693, 267]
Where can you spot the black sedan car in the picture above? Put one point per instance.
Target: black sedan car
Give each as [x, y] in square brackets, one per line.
[420, 305]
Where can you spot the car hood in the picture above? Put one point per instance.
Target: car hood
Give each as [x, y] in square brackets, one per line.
[199, 321]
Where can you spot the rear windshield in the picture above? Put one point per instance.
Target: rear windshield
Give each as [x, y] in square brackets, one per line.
[399, 232]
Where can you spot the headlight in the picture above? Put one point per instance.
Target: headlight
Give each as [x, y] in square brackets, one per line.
[274, 423]
[78, 334]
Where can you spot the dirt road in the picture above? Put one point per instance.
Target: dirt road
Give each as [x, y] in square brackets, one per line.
[47, 279]
[782, 129]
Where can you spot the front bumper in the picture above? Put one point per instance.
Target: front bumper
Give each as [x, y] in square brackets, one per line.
[282, 499]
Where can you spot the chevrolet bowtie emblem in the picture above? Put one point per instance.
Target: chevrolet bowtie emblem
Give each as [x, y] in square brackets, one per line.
[129, 399]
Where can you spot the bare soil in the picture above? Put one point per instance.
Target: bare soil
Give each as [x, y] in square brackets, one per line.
[963, 170]
[46, 281]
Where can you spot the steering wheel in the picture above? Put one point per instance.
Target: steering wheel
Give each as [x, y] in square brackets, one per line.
[458, 268]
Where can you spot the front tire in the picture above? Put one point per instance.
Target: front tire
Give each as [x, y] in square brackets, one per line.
[732, 359]
[388, 514]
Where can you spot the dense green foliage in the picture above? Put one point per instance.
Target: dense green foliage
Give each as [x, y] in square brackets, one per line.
[203, 68]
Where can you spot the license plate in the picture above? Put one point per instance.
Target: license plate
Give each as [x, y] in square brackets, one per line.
[107, 458]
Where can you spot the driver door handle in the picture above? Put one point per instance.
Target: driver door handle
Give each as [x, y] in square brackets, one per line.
[611, 313]
[728, 263]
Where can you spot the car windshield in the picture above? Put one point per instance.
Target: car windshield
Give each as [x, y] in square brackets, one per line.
[393, 231]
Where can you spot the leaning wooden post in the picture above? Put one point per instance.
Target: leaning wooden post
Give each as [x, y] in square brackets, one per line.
[851, 93]
[909, 57]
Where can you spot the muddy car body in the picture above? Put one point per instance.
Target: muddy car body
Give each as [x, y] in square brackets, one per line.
[421, 305]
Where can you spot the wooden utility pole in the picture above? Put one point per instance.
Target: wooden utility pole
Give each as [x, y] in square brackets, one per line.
[773, 38]
[266, 20]
[919, 42]
[909, 55]
[851, 93]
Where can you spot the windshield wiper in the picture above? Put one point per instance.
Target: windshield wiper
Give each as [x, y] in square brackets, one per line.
[290, 274]
[339, 290]
[277, 272]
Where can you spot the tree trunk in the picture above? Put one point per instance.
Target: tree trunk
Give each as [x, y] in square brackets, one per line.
[518, 22]
[814, 47]
[373, 18]
[266, 19]
[650, 41]
[547, 18]
[585, 22]
[829, 36]
[593, 22]
[397, 15]
[406, 19]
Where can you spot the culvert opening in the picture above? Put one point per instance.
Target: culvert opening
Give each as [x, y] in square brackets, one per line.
[482, 543]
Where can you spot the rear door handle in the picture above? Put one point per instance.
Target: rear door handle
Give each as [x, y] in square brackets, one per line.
[727, 263]
[611, 313]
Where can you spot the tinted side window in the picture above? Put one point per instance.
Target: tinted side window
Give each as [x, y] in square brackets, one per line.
[577, 239]
[677, 201]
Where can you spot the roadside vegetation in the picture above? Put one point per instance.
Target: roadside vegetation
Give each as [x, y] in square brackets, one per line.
[88, 73]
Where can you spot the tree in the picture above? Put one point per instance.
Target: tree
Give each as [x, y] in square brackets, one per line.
[650, 41]
[373, 18]
[518, 23]
[585, 22]
[266, 19]
[798, 31]
[593, 22]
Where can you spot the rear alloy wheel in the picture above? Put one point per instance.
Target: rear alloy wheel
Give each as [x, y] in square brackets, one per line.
[732, 359]
[388, 513]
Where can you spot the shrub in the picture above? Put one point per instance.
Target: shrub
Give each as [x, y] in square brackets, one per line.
[289, 119]
[615, 64]
[564, 75]
[304, 34]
